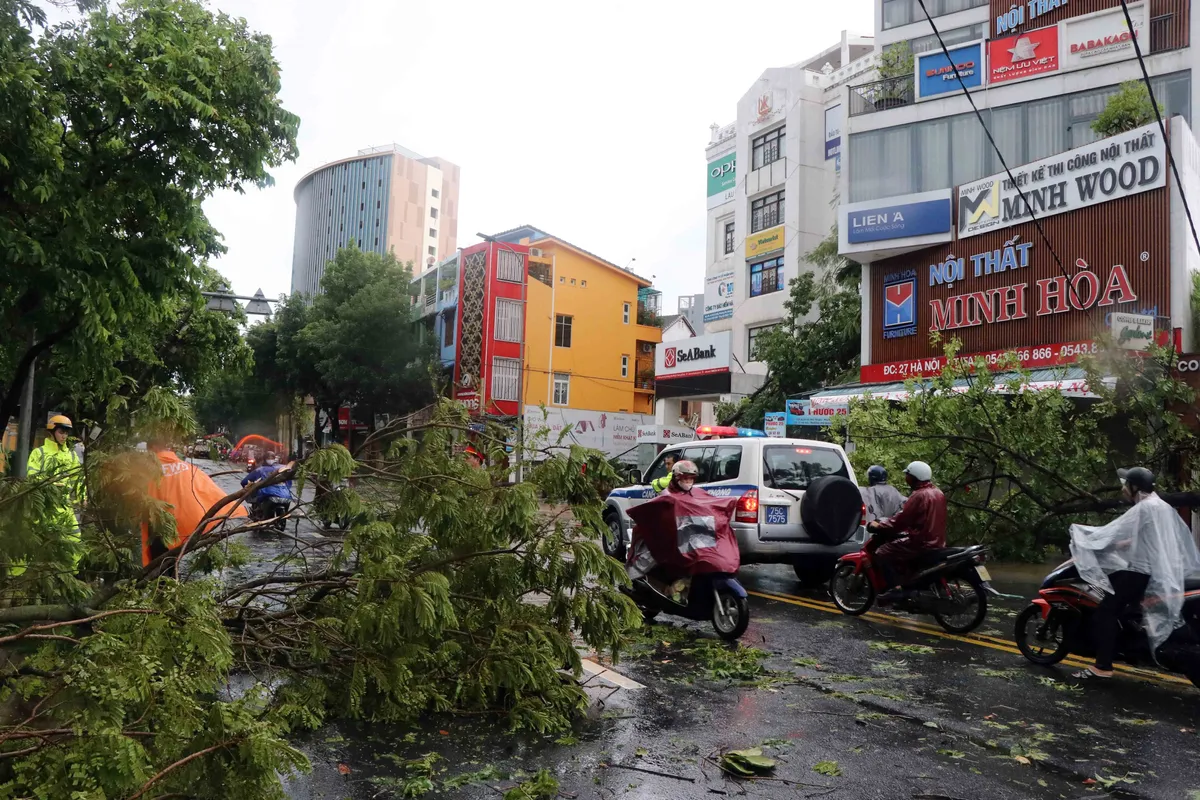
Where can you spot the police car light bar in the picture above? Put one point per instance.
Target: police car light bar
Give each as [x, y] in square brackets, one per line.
[726, 432]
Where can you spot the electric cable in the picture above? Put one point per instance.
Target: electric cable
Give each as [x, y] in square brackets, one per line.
[1137, 49]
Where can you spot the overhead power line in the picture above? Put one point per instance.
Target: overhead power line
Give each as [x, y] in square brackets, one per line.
[1162, 127]
[991, 140]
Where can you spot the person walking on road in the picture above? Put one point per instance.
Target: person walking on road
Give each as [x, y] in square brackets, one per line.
[881, 498]
[57, 462]
[1147, 552]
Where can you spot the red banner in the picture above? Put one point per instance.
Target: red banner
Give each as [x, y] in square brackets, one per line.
[1023, 55]
[1039, 357]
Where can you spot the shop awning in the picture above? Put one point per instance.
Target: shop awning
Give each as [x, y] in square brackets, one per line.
[1072, 382]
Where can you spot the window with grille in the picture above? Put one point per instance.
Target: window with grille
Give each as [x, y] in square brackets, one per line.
[766, 276]
[767, 148]
[625, 313]
[562, 388]
[506, 378]
[562, 330]
[752, 335]
[508, 320]
[510, 266]
[766, 212]
[624, 366]
[728, 238]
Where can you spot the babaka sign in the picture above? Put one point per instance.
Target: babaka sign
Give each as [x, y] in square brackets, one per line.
[1119, 166]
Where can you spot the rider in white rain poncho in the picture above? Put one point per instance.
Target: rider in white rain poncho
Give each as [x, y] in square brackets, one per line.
[1147, 553]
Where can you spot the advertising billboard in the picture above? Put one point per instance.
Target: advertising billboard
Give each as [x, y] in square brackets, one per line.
[1025, 55]
[1105, 170]
[833, 132]
[936, 74]
[1103, 37]
[722, 180]
[898, 217]
[700, 355]
[718, 296]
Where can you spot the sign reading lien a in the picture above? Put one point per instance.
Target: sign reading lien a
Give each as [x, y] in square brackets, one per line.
[1119, 166]
[874, 222]
[938, 75]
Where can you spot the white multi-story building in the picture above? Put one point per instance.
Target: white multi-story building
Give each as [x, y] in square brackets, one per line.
[1040, 72]
[772, 180]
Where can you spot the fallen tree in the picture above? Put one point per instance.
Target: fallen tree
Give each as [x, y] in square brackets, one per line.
[1018, 466]
[451, 592]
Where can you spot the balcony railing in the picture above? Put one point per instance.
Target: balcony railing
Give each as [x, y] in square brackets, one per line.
[1169, 31]
[881, 95]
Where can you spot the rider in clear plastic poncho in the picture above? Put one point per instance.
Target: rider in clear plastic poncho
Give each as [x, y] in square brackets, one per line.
[1148, 545]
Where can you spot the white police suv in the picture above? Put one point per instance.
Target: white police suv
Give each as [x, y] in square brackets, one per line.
[778, 519]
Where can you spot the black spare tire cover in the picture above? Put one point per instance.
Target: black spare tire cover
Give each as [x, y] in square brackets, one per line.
[831, 509]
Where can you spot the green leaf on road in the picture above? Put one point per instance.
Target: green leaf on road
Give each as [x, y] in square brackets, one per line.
[1087, 730]
[1136, 721]
[829, 768]
[747, 763]
[955, 754]
[901, 647]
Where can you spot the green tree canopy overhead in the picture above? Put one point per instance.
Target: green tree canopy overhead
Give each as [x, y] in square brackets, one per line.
[116, 127]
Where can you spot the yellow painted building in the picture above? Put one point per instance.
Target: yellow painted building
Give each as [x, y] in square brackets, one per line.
[584, 347]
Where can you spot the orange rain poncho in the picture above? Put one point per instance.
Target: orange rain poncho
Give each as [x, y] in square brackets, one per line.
[191, 493]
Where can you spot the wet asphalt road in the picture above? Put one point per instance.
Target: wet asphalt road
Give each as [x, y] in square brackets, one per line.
[902, 709]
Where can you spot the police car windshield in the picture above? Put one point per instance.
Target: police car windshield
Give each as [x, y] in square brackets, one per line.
[795, 467]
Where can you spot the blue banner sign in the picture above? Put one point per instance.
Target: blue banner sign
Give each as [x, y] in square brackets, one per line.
[798, 414]
[882, 222]
[936, 73]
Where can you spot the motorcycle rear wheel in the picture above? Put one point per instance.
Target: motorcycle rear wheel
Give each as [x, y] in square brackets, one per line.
[852, 592]
[1029, 627]
[731, 625]
[967, 621]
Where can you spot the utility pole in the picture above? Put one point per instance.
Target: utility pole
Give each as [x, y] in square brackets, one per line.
[25, 424]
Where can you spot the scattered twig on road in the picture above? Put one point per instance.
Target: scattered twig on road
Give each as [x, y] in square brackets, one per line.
[649, 772]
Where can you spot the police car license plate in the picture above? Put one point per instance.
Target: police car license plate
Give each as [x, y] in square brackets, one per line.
[777, 515]
[983, 574]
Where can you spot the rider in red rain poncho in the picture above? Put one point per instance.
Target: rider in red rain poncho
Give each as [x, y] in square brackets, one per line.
[923, 519]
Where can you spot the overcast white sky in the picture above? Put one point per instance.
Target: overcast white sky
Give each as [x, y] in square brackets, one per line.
[586, 120]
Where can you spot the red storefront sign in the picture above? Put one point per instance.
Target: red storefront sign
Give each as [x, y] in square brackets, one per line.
[1023, 55]
[1039, 357]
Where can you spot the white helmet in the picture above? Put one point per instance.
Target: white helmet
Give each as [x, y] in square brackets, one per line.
[685, 467]
[919, 470]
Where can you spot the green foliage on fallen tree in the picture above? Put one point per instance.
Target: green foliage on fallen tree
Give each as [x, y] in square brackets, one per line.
[1018, 466]
[451, 592]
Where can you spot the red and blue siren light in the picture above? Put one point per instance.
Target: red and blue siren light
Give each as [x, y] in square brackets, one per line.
[726, 432]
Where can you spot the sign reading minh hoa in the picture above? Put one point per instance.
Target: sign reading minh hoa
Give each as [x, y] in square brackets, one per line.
[1119, 166]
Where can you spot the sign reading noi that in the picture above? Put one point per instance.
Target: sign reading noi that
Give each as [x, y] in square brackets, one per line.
[1005, 289]
[1108, 169]
[700, 355]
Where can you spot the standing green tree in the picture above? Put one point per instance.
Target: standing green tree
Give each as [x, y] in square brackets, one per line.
[1131, 107]
[116, 128]
[803, 352]
[355, 344]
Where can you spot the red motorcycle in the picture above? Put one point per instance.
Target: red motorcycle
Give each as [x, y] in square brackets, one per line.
[952, 584]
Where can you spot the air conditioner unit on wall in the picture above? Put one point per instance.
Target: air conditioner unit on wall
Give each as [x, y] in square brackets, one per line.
[535, 252]
[647, 347]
